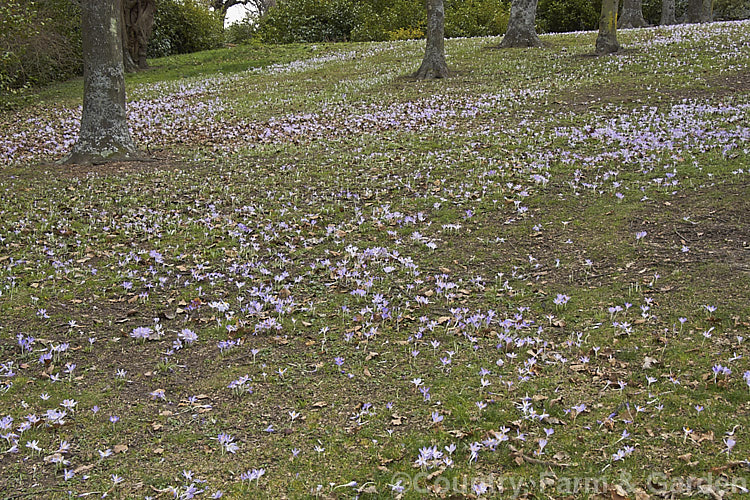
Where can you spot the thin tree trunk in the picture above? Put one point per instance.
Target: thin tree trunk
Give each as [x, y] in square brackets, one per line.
[606, 42]
[433, 64]
[667, 13]
[694, 10]
[632, 15]
[128, 32]
[104, 134]
[138, 23]
[707, 11]
[521, 25]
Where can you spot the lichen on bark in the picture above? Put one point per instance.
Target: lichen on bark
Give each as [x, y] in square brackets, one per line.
[606, 41]
[104, 133]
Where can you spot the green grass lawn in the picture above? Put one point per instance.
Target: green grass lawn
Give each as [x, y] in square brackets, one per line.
[530, 279]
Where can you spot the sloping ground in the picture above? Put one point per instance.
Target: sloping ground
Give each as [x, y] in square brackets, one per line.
[528, 286]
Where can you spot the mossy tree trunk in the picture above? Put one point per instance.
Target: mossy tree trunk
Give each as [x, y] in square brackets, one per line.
[433, 64]
[632, 15]
[707, 11]
[521, 25]
[606, 41]
[667, 13]
[104, 134]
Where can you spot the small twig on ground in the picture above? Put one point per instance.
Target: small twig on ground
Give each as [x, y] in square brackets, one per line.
[549, 463]
[730, 465]
[681, 236]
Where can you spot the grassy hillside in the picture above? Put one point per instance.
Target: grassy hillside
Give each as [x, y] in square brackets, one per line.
[531, 279]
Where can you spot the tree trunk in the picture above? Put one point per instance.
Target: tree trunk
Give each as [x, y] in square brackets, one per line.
[127, 57]
[694, 10]
[667, 13]
[433, 64]
[632, 15]
[606, 42]
[104, 134]
[521, 25]
[707, 11]
[138, 17]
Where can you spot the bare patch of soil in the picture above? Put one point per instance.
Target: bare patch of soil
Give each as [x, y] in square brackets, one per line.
[156, 161]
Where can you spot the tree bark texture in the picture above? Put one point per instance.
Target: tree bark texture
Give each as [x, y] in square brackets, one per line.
[632, 15]
[104, 134]
[694, 10]
[521, 25]
[606, 41]
[707, 11]
[433, 64]
[138, 18]
[667, 13]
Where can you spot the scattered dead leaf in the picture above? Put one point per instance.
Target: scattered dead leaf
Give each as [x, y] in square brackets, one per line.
[648, 362]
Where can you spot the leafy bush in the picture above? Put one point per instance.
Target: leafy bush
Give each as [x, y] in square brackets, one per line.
[568, 15]
[241, 32]
[391, 20]
[405, 34]
[16, 27]
[40, 40]
[377, 20]
[184, 26]
[310, 21]
[476, 18]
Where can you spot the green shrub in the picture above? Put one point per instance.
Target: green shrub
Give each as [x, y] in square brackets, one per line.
[184, 26]
[391, 20]
[40, 42]
[568, 15]
[241, 32]
[16, 26]
[476, 18]
[377, 20]
[405, 34]
[310, 21]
